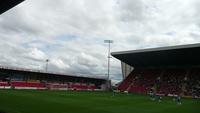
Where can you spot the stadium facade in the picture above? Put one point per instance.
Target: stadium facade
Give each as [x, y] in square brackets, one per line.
[173, 70]
[15, 78]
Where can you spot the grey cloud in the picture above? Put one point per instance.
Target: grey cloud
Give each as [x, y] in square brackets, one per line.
[195, 35]
[131, 10]
[31, 31]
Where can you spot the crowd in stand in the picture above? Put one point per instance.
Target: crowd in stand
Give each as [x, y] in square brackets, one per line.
[185, 82]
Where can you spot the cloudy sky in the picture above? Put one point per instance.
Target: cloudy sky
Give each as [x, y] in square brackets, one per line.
[71, 33]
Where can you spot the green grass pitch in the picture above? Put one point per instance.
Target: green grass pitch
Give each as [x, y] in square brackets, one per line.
[29, 101]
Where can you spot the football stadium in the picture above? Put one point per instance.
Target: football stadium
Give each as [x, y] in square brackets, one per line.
[155, 80]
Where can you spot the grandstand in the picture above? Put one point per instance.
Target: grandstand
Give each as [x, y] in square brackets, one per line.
[16, 78]
[8, 4]
[167, 71]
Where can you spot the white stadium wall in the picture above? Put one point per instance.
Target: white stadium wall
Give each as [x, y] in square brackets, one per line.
[126, 69]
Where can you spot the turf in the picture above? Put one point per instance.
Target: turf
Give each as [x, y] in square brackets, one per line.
[28, 101]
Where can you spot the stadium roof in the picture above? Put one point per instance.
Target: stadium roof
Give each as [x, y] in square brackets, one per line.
[8, 4]
[172, 56]
[39, 72]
